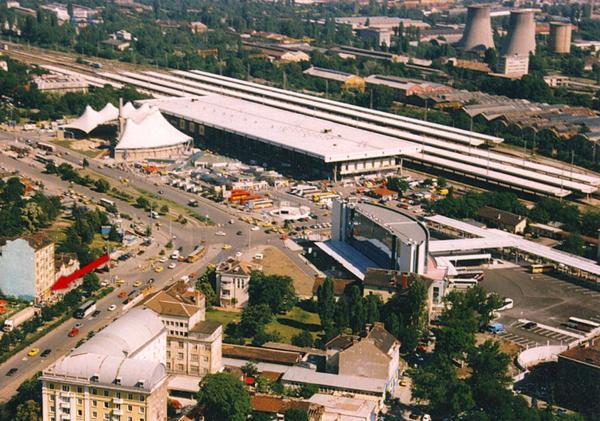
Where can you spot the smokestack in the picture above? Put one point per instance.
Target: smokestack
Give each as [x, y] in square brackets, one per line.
[521, 34]
[478, 30]
[121, 119]
[560, 37]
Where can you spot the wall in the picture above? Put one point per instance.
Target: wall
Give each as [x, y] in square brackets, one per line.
[17, 269]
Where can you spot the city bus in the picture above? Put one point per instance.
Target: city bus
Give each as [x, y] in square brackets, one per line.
[85, 310]
[582, 324]
[46, 147]
[44, 159]
[470, 274]
[319, 197]
[198, 253]
[107, 203]
[542, 268]
[463, 283]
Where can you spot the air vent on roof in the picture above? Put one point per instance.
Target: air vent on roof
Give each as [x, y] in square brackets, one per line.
[94, 378]
[140, 383]
[117, 380]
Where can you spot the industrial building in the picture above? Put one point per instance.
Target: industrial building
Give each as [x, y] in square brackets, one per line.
[560, 37]
[298, 144]
[514, 57]
[436, 140]
[477, 35]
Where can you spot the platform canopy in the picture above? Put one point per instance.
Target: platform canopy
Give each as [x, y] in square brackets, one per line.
[154, 131]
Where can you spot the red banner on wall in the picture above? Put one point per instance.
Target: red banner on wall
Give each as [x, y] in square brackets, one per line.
[64, 281]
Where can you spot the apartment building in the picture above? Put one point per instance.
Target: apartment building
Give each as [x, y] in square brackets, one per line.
[193, 343]
[118, 374]
[233, 282]
[27, 267]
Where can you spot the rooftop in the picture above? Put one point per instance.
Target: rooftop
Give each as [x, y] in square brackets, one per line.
[260, 354]
[237, 267]
[179, 299]
[343, 406]
[206, 327]
[588, 355]
[353, 383]
[406, 227]
[37, 241]
[506, 218]
[326, 140]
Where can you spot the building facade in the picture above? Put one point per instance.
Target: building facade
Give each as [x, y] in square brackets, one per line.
[27, 267]
[390, 239]
[118, 374]
[193, 345]
[233, 282]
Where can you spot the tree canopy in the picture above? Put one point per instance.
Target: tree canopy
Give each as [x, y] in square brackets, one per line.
[223, 397]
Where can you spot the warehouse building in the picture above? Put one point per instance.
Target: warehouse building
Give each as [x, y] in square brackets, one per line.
[309, 147]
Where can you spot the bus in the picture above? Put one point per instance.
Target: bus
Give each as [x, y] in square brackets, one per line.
[44, 159]
[319, 197]
[46, 147]
[107, 203]
[198, 253]
[463, 283]
[542, 268]
[582, 324]
[85, 310]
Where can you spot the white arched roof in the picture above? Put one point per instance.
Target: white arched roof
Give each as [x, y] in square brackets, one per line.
[154, 131]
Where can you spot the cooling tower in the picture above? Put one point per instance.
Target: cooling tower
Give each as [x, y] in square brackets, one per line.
[560, 37]
[521, 34]
[478, 30]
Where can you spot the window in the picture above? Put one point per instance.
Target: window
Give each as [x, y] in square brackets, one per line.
[94, 414]
[142, 409]
[168, 354]
[51, 386]
[94, 403]
[106, 393]
[129, 419]
[118, 395]
[180, 344]
[79, 389]
[65, 388]
[194, 357]
[130, 407]
[106, 404]
[94, 391]
[142, 399]
[79, 412]
[106, 416]
[52, 409]
[205, 359]
[180, 355]
[130, 396]
[180, 367]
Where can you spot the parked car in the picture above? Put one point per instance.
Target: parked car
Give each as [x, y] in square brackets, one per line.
[95, 313]
[45, 353]
[12, 371]
[172, 265]
[33, 352]
[122, 294]
[221, 233]
[159, 269]
[529, 325]
[137, 284]
[74, 332]
[112, 307]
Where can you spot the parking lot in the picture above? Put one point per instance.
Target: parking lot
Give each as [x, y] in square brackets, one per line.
[545, 300]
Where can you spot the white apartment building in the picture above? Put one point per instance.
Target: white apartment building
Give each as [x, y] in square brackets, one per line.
[233, 282]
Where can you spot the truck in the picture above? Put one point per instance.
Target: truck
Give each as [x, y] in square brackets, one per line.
[19, 318]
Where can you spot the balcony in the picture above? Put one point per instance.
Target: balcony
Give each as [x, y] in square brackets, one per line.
[117, 401]
[117, 412]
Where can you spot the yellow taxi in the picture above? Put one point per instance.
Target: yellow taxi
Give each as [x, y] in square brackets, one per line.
[137, 284]
[33, 352]
[159, 269]
[404, 382]
[226, 246]
[120, 282]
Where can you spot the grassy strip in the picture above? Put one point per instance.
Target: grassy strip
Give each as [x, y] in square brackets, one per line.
[39, 334]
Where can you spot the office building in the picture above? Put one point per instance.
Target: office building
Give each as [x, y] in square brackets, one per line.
[118, 374]
[513, 65]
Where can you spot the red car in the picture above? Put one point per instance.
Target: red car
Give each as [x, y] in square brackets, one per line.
[122, 294]
[74, 332]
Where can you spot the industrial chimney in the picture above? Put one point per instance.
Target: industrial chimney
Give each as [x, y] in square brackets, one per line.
[521, 34]
[478, 30]
[560, 37]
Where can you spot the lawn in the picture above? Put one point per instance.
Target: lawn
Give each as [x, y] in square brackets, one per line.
[288, 325]
[275, 262]
[293, 322]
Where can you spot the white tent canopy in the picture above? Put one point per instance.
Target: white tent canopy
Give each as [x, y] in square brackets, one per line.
[154, 131]
[130, 112]
[87, 122]
[108, 113]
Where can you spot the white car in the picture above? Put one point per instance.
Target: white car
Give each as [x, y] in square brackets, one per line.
[104, 283]
[508, 304]
[238, 254]
[172, 266]
[221, 233]
[112, 307]
[255, 228]
[163, 259]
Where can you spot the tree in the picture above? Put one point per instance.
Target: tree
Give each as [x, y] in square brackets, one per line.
[303, 339]
[274, 290]
[101, 185]
[142, 203]
[326, 300]
[249, 369]
[294, 414]
[223, 397]
[573, 244]
[85, 163]
[28, 411]
[307, 390]
[164, 209]
[397, 184]
[254, 318]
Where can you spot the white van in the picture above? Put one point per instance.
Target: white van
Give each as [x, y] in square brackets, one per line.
[175, 255]
[154, 215]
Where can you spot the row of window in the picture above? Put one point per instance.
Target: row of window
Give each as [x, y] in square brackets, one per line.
[179, 324]
[94, 391]
[95, 415]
